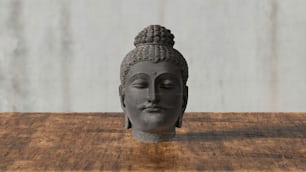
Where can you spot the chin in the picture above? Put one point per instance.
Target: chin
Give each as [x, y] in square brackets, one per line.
[158, 125]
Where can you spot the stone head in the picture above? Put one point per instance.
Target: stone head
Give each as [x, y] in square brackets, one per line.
[153, 90]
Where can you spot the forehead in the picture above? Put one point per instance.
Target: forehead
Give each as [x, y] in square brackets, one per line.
[151, 68]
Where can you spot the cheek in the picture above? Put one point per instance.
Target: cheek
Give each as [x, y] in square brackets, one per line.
[172, 97]
[134, 97]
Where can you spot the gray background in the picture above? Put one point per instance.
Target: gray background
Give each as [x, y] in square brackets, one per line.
[61, 55]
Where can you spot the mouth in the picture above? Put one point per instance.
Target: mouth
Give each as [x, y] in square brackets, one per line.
[152, 109]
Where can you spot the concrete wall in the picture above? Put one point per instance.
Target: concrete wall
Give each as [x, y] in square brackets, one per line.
[61, 55]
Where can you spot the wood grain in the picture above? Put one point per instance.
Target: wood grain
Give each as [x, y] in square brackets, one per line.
[98, 142]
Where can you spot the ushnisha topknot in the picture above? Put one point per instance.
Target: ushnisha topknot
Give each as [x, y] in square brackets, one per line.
[154, 34]
[154, 43]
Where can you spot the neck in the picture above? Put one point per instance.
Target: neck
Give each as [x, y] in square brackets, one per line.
[153, 136]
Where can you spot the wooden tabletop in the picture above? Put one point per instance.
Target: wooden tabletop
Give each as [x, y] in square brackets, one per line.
[98, 142]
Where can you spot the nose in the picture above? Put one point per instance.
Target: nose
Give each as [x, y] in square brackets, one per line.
[153, 95]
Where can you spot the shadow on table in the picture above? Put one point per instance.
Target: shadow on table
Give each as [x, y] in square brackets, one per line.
[279, 131]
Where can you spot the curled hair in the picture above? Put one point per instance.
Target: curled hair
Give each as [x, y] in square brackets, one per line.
[154, 43]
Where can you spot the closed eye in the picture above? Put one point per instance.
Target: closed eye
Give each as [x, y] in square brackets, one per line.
[140, 84]
[167, 84]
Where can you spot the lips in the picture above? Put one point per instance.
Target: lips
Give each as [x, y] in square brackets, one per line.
[152, 109]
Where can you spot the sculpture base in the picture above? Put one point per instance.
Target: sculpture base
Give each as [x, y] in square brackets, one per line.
[153, 137]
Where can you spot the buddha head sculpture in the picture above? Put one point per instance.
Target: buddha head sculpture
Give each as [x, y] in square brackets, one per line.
[153, 88]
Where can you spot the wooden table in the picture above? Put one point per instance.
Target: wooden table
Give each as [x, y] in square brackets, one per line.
[98, 141]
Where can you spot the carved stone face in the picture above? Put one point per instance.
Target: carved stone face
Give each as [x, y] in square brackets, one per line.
[154, 97]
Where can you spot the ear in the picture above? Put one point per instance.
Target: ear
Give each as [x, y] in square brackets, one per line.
[185, 98]
[127, 122]
[179, 121]
[122, 94]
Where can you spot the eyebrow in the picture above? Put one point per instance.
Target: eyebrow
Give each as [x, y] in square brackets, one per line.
[145, 76]
[138, 75]
[172, 76]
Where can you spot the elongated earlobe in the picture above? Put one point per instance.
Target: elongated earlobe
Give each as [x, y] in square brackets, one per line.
[185, 98]
[121, 94]
[127, 122]
[179, 121]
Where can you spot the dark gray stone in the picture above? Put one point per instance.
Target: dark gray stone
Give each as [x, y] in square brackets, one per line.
[153, 86]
